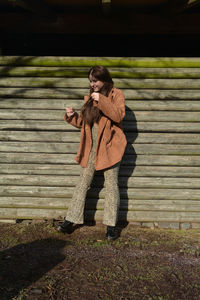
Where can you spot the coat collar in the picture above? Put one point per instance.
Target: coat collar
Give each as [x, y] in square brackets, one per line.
[103, 120]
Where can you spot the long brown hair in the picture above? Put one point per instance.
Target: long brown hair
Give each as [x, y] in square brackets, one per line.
[90, 113]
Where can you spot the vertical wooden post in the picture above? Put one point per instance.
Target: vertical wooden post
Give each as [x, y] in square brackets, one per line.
[106, 6]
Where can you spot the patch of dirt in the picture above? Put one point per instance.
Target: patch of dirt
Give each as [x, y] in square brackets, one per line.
[37, 262]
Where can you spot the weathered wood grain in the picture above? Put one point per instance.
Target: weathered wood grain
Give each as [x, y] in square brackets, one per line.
[25, 213]
[40, 147]
[181, 127]
[44, 136]
[76, 93]
[161, 160]
[36, 158]
[58, 115]
[46, 104]
[159, 176]
[161, 62]
[59, 126]
[68, 170]
[131, 182]
[128, 160]
[74, 137]
[122, 83]
[117, 72]
[95, 193]
[134, 205]
[132, 105]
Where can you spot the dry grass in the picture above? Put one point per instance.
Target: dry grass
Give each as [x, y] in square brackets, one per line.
[37, 262]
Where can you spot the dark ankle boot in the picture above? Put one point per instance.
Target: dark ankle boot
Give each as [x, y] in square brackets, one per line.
[111, 233]
[66, 226]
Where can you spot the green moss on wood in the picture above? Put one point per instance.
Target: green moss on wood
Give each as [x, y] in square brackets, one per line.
[83, 74]
[106, 61]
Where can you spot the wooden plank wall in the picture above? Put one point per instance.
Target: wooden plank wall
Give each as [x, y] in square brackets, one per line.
[160, 175]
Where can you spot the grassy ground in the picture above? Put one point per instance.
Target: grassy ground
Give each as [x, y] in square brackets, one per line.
[36, 262]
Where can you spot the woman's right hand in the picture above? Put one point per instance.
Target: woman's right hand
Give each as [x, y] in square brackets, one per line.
[69, 111]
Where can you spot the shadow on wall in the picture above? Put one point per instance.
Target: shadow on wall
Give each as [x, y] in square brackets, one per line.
[126, 171]
[24, 264]
[128, 162]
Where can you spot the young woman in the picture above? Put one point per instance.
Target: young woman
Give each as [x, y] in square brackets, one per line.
[102, 145]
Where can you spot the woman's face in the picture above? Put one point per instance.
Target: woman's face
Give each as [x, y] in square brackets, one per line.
[95, 84]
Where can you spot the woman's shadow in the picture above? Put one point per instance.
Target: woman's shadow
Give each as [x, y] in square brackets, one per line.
[24, 264]
[127, 166]
[126, 170]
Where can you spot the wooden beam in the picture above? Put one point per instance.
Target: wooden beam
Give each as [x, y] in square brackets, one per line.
[131, 23]
[193, 2]
[106, 6]
[37, 7]
[174, 7]
[179, 6]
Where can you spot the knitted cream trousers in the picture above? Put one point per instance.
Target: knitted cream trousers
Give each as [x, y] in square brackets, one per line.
[75, 212]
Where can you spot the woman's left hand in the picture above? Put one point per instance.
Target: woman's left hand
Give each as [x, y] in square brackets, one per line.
[95, 96]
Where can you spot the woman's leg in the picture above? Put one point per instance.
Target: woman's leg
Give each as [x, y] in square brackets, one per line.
[112, 196]
[75, 213]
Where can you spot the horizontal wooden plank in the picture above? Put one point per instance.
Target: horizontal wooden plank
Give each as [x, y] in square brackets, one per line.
[17, 103]
[130, 160]
[68, 170]
[137, 216]
[44, 82]
[70, 181]
[132, 205]
[131, 105]
[52, 72]
[52, 93]
[164, 138]
[117, 72]
[42, 136]
[135, 205]
[166, 105]
[58, 115]
[37, 158]
[39, 169]
[151, 216]
[74, 137]
[94, 193]
[58, 148]
[33, 125]
[76, 93]
[162, 127]
[163, 116]
[128, 126]
[161, 160]
[73, 148]
[62, 82]
[106, 61]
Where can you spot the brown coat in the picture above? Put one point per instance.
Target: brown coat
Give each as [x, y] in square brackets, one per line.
[111, 141]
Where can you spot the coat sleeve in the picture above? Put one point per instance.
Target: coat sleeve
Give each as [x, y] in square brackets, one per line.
[75, 120]
[114, 108]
